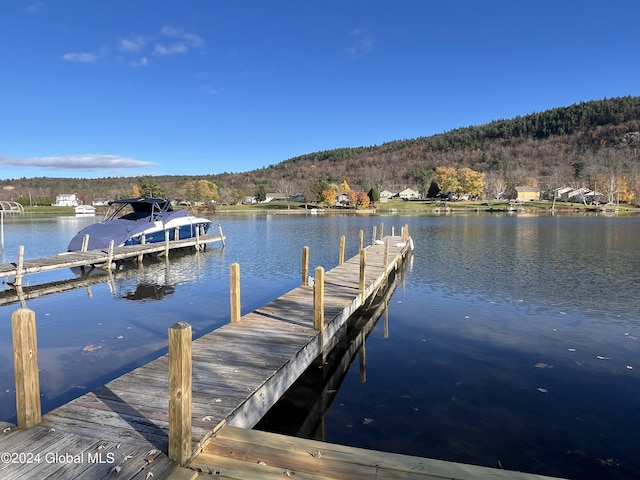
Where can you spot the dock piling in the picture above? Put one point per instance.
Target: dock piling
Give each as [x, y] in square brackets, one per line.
[110, 255]
[25, 360]
[235, 292]
[342, 246]
[180, 383]
[318, 300]
[85, 243]
[363, 261]
[221, 235]
[19, 266]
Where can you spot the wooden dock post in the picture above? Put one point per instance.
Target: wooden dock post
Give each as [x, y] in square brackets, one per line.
[342, 247]
[361, 246]
[363, 261]
[85, 243]
[235, 292]
[221, 235]
[386, 252]
[305, 266]
[25, 364]
[143, 241]
[381, 231]
[318, 300]
[373, 236]
[180, 378]
[19, 266]
[110, 255]
[166, 244]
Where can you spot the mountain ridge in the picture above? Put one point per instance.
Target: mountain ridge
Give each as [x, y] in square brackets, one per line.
[578, 145]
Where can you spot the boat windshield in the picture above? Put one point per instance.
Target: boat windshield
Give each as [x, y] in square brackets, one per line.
[136, 210]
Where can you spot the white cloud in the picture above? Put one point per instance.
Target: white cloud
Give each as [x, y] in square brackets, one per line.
[362, 45]
[80, 57]
[190, 38]
[176, 48]
[76, 162]
[135, 43]
[143, 62]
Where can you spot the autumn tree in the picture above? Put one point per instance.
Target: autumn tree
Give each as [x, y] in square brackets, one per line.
[201, 191]
[471, 182]
[363, 200]
[447, 179]
[329, 197]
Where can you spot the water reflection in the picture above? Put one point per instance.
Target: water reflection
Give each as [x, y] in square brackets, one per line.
[302, 409]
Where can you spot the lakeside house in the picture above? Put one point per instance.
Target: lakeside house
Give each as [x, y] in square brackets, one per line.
[66, 200]
[526, 194]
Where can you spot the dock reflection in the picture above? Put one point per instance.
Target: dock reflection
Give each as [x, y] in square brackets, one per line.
[301, 410]
[155, 279]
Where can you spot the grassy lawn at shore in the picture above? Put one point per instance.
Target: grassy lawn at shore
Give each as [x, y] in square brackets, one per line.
[393, 206]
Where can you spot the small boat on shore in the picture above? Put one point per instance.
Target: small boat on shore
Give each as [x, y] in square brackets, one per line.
[85, 210]
[129, 220]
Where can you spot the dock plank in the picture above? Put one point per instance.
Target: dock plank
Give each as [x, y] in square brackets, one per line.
[243, 453]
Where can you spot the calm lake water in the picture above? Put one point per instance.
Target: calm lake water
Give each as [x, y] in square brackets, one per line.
[512, 340]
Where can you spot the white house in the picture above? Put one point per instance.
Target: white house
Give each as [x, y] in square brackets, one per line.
[66, 200]
[386, 194]
[409, 194]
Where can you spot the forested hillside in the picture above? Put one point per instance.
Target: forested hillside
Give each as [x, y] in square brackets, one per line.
[594, 143]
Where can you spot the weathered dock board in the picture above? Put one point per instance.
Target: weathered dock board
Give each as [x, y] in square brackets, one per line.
[237, 453]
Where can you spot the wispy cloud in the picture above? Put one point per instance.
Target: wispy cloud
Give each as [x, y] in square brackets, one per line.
[173, 49]
[34, 7]
[80, 57]
[177, 42]
[77, 162]
[182, 42]
[141, 62]
[363, 43]
[134, 43]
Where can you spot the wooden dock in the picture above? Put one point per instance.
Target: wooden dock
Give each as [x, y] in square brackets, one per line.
[93, 258]
[125, 429]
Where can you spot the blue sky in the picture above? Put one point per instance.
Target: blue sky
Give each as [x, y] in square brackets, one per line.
[151, 87]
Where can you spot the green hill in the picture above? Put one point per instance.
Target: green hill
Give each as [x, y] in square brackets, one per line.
[586, 144]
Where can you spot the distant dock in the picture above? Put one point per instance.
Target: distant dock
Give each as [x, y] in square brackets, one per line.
[101, 257]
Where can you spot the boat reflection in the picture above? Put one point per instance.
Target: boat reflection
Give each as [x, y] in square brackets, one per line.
[155, 279]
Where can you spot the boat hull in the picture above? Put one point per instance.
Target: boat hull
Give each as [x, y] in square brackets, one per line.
[178, 225]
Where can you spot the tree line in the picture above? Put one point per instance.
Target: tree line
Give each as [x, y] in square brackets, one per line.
[594, 144]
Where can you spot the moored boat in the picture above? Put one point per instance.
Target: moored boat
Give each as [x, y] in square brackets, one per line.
[85, 210]
[129, 220]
